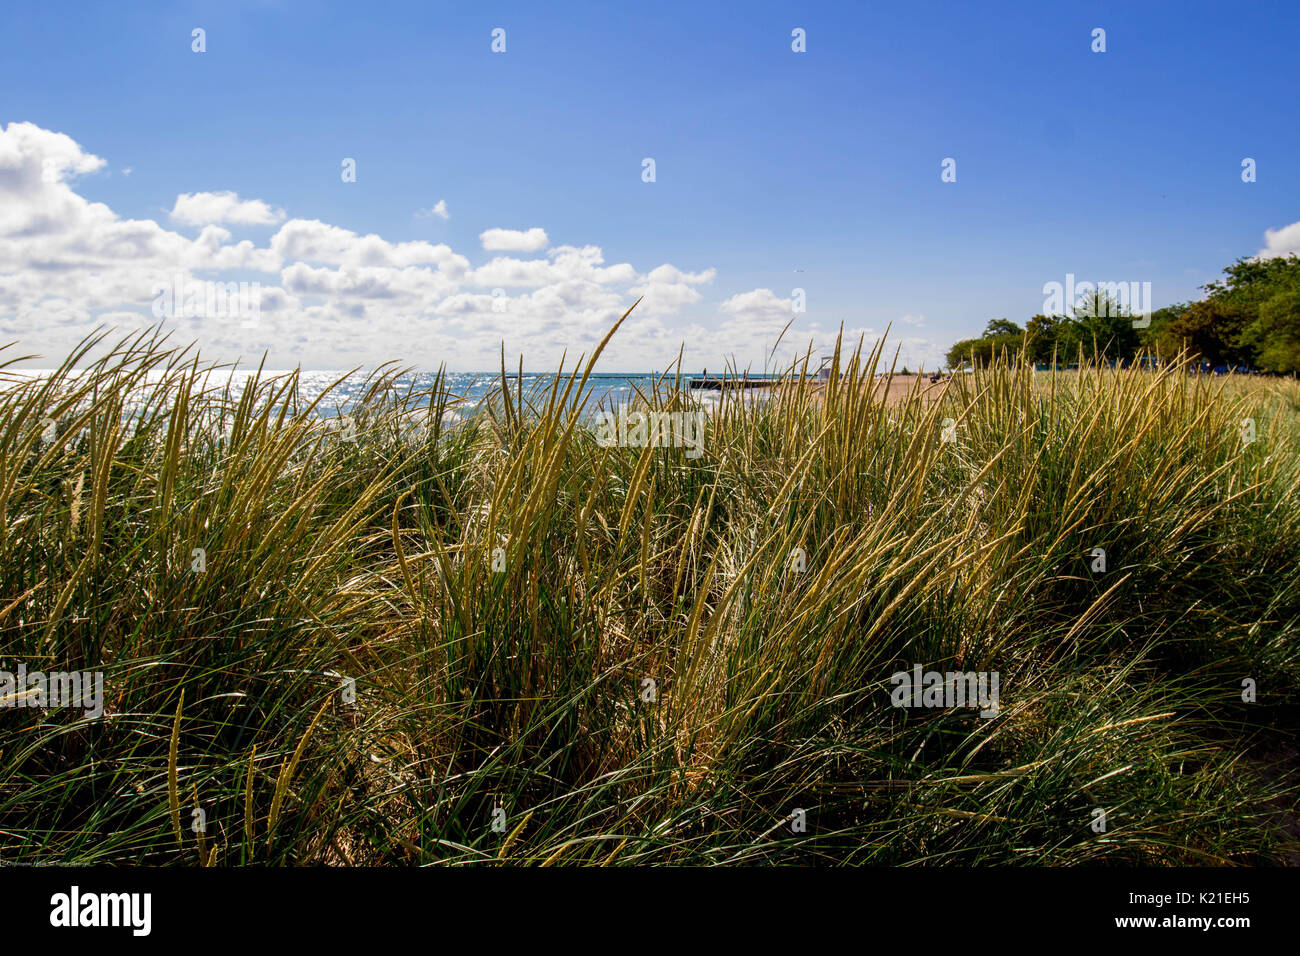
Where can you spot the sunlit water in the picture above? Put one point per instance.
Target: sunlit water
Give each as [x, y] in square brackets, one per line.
[471, 389]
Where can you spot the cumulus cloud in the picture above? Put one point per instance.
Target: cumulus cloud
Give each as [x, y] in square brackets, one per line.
[562, 264]
[513, 240]
[667, 289]
[439, 209]
[331, 297]
[1281, 242]
[200, 209]
[315, 241]
[759, 308]
[31, 157]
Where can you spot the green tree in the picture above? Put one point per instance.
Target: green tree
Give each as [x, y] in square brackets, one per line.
[1002, 327]
[1106, 328]
[1158, 338]
[1213, 329]
[961, 353]
[1276, 332]
[1052, 336]
[1251, 316]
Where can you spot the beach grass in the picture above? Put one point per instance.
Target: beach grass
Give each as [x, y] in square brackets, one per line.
[427, 635]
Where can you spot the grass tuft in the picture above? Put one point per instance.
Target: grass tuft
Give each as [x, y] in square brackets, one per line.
[305, 623]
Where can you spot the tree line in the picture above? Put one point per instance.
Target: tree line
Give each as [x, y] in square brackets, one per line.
[1250, 319]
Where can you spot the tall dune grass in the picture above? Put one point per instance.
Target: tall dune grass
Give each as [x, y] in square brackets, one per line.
[649, 677]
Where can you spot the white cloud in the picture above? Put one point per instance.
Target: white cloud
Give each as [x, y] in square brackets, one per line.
[563, 264]
[513, 240]
[331, 297]
[35, 157]
[1281, 242]
[316, 241]
[439, 210]
[668, 290]
[199, 209]
[759, 307]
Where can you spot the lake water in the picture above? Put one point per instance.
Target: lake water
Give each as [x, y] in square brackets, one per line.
[605, 390]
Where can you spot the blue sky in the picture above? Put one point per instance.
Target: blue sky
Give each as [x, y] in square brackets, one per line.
[1123, 165]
